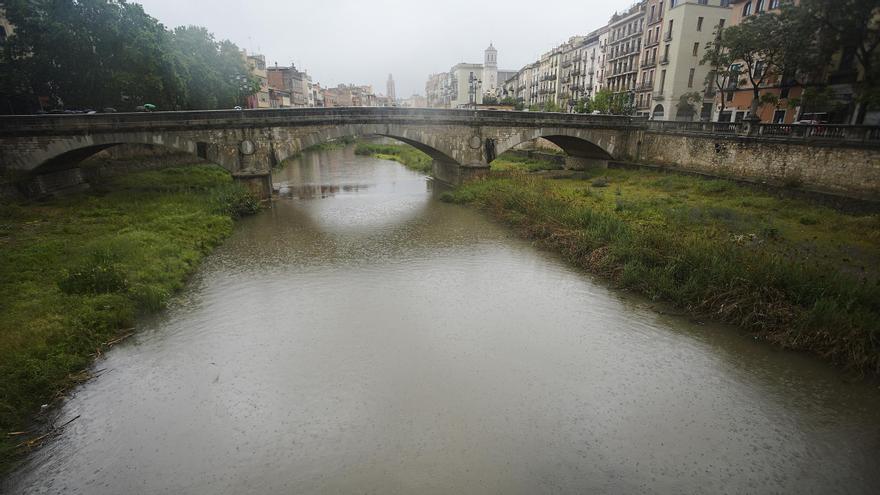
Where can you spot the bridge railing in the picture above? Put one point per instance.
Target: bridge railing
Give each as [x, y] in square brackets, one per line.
[798, 132]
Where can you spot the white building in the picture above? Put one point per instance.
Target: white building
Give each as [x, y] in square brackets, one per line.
[467, 84]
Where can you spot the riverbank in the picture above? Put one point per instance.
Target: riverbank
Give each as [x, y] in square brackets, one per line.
[401, 153]
[793, 273]
[75, 273]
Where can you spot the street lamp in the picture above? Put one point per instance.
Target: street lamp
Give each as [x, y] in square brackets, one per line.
[474, 83]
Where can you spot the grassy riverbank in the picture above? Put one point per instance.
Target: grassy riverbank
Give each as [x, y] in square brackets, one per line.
[402, 153]
[76, 272]
[513, 161]
[796, 274]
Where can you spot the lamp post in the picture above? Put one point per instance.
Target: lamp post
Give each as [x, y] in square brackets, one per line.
[474, 83]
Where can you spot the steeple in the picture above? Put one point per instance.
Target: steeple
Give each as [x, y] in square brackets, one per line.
[491, 57]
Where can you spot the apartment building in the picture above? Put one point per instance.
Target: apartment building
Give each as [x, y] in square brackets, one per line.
[579, 61]
[257, 66]
[688, 26]
[650, 57]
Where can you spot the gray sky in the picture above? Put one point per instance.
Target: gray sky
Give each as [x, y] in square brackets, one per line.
[360, 41]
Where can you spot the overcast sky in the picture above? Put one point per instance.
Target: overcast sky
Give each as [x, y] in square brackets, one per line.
[362, 41]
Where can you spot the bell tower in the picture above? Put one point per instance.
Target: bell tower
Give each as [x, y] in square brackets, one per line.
[490, 69]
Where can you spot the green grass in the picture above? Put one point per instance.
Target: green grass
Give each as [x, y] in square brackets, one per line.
[510, 161]
[74, 272]
[401, 153]
[796, 274]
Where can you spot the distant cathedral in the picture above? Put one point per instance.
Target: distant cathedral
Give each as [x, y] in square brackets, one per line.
[490, 69]
[391, 93]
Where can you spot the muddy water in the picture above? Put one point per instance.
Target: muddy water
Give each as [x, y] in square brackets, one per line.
[364, 337]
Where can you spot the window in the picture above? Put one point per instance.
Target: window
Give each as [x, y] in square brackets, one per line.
[759, 6]
[2, 33]
[670, 29]
[696, 48]
[779, 117]
[759, 69]
[721, 24]
[747, 9]
[703, 2]
[691, 78]
[774, 4]
[662, 81]
[699, 24]
[725, 3]
[653, 7]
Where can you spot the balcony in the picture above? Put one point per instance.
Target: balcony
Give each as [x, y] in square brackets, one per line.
[664, 60]
[566, 64]
[658, 95]
[549, 77]
[649, 63]
[575, 73]
[645, 86]
[668, 36]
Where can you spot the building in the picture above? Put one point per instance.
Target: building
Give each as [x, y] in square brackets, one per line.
[623, 49]
[466, 84]
[689, 25]
[391, 93]
[578, 72]
[437, 90]
[649, 58]
[257, 66]
[293, 81]
[350, 95]
[841, 78]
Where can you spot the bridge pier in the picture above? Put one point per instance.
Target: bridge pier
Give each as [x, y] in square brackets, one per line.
[258, 183]
[581, 163]
[455, 174]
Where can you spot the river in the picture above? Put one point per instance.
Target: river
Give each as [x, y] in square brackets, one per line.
[362, 336]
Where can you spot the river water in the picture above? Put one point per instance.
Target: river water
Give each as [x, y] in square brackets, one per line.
[363, 337]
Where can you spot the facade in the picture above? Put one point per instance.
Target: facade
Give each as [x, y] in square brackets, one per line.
[257, 66]
[437, 90]
[466, 84]
[350, 95]
[578, 70]
[650, 57]
[622, 51]
[688, 26]
[293, 81]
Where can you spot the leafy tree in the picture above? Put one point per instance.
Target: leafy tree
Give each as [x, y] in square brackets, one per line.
[717, 57]
[603, 101]
[100, 53]
[584, 105]
[850, 25]
[758, 43]
[688, 105]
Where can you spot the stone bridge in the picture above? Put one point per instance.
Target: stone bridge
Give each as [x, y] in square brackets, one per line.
[839, 159]
[248, 143]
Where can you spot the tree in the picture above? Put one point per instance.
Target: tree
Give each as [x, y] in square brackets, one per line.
[717, 57]
[584, 105]
[603, 101]
[758, 43]
[688, 105]
[100, 53]
[850, 25]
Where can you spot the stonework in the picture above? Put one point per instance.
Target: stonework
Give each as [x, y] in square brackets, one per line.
[462, 142]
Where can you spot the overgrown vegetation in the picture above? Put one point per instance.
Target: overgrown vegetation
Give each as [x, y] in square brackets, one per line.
[514, 161]
[401, 153]
[76, 272]
[796, 274]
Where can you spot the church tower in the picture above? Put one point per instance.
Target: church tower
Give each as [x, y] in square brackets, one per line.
[391, 93]
[490, 70]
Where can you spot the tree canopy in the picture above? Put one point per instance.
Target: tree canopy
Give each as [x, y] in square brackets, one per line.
[110, 53]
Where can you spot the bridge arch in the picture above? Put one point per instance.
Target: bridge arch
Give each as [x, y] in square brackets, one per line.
[578, 143]
[68, 153]
[427, 142]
